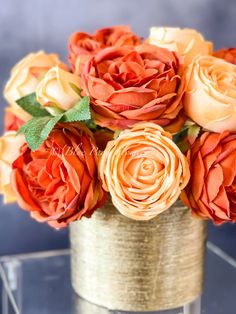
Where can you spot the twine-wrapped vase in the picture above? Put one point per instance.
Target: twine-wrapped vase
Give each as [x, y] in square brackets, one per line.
[128, 265]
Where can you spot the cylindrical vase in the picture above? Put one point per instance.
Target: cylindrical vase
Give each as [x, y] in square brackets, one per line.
[128, 265]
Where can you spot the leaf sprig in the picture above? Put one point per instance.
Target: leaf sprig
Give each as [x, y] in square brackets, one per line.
[187, 136]
[37, 129]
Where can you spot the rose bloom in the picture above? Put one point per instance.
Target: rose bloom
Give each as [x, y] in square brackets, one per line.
[228, 55]
[211, 192]
[131, 84]
[58, 90]
[144, 171]
[9, 150]
[11, 121]
[82, 46]
[210, 97]
[58, 183]
[25, 77]
[186, 42]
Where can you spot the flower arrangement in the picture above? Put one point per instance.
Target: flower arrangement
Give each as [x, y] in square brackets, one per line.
[145, 122]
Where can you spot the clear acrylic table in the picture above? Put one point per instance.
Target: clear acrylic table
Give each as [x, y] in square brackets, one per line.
[40, 284]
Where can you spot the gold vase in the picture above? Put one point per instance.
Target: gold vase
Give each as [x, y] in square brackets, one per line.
[128, 265]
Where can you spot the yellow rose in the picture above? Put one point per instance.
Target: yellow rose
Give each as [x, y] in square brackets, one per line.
[144, 171]
[58, 90]
[186, 42]
[9, 150]
[25, 77]
[210, 97]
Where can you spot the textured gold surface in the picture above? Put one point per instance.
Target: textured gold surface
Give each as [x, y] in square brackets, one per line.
[130, 265]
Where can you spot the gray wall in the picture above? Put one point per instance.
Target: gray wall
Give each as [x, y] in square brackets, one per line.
[30, 25]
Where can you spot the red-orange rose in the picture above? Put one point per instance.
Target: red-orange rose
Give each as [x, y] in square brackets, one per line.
[58, 183]
[12, 122]
[84, 45]
[211, 192]
[228, 55]
[134, 83]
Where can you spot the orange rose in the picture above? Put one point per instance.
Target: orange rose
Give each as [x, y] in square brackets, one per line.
[210, 97]
[9, 150]
[25, 77]
[82, 46]
[211, 192]
[228, 55]
[58, 183]
[131, 84]
[186, 42]
[144, 171]
[11, 121]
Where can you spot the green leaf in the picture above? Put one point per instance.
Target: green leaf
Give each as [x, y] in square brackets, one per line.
[80, 112]
[193, 133]
[29, 104]
[25, 126]
[37, 130]
[117, 133]
[50, 125]
[33, 124]
[181, 134]
[183, 146]
[90, 124]
[187, 136]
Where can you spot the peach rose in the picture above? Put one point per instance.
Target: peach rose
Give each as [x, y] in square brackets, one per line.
[228, 55]
[58, 90]
[82, 46]
[186, 42]
[58, 183]
[25, 77]
[211, 192]
[144, 171]
[210, 97]
[11, 121]
[131, 84]
[9, 150]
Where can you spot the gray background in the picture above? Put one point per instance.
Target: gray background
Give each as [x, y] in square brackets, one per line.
[31, 25]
